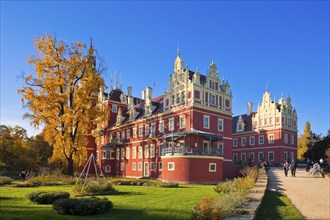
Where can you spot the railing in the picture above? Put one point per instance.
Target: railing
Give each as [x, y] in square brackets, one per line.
[185, 151]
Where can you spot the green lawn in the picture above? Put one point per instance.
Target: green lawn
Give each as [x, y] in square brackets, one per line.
[134, 202]
[276, 205]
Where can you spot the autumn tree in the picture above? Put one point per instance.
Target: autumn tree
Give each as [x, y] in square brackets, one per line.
[61, 95]
[304, 141]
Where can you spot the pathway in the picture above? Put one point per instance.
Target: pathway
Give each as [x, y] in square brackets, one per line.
[310, 195]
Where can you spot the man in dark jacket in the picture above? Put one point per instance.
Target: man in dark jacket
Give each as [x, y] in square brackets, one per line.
[293, 168]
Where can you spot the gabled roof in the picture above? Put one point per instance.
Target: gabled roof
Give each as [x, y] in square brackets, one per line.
[247, 121]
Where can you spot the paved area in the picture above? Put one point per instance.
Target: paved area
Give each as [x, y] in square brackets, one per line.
[310, 195]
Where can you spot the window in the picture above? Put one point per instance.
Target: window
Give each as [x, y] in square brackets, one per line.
[146, 151]
[183, 97]
[261, 156]
[152, 165]
[292, 139]
[212, 99]
[240, 127]
[271, 156]
[134, 153]
[160, 150]
[107, 154]
[123, 134]
[261, 139]
[206, 121]
[235, 142]
[243, 157]
[212, 85]
[173, 99]
[134, 132]
[140, 131]
[170, 166]
[177, 98]
[160, 165]
[127, 153]
[251, 157]
[182, 121]
[291, 155]
[171, 124]
[110, 137]
[243, 141]
[286, 138]
[152, 150]
[128, 133]
[153, 129]
[235, 157]
[212, 167]
[118, 134]
[107, 169]
[271, 138]
[122, 153]
[252, 140]
[220, 124]
[121, 166]
[114, 108]
[133, 166]
[140, 152]
[117, 154]
[140, 166]
[270, 120]
[285, 156]
[220, 148]
[161, 126]
[147, 130]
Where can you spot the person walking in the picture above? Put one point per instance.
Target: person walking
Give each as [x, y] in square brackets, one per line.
[293, 168]
[286, 168]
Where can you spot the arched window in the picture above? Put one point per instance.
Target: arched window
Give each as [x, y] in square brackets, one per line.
[107, 168]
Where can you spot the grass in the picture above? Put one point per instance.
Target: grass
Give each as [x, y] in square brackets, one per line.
[134, 202]
[276, 205]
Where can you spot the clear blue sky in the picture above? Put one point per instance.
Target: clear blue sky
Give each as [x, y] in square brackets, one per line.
[282, 43]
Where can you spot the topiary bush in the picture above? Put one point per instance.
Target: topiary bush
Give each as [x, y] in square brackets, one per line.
[5, 180]
[43, 197]
[94, 187]
[82, 206]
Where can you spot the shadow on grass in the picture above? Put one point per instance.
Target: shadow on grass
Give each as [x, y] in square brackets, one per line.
[5, 198]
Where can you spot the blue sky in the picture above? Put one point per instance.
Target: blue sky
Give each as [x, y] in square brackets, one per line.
[282, 43]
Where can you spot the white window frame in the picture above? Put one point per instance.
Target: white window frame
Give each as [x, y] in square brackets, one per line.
[215, 167]
[139, 166]
[146, 151]
[254, 140]
[134, 153]
[235, 155]
[285, 156]
[292, 139]
[128, 133]
[146, 130]
[269, 153]
[140, 131]
[114, 108]
[134, 166]
[221, 148]
[286, 138]
[134, 132]
[153, 129]
[117, 154]
[235, 142]
[160, 165]
[152, 166]
[122, 166]
[128, 152]
[243, 154]
[259, 154]
[251, 156]
[161, 126]
[271, 138]
[243, 141]
[220, 128]
[140, 152]
[152, 150]
[123, 134]
[206, 124]
[107, 169]
[170, 166]
[182, 121]
[259, 139]
[212, 99]
[171, 124]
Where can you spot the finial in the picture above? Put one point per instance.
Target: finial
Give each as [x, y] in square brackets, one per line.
[121, 81]
[282, 95]
[178, 48]
[111, 82]
[212, 61]
[267, 87]
[196, 69]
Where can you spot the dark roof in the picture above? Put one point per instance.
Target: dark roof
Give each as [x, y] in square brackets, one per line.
[107, 146]
[202, 78]
[247, 121]
[114, 95]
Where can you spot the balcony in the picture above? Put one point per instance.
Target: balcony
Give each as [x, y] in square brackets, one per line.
[191, 151]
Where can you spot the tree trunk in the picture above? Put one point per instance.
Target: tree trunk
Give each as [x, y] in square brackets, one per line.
[70, 166]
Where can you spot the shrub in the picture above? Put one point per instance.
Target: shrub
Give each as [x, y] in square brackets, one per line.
[50, 180]
[251, 172]
[42, 197]
[83, 206]
[133, 183]
[94, 187]
[236, 185]
[5, 180]
[168, 184]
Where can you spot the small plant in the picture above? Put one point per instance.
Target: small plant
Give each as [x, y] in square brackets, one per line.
[42, 197]
[168, 185]
[5, 180]
[94, 187]
[82, 206]
[251, 172]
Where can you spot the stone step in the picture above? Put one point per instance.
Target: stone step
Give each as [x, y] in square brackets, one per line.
[258, 189]
[240, 217]
[255, 197]
[261, 184]
[250, 209]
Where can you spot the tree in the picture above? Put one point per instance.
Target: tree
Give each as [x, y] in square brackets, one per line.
[62, 95]
[304, 141]
[319, 147]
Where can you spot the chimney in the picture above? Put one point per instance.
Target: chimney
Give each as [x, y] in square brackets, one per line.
[249, 108]
[130, 99]
[129, 91]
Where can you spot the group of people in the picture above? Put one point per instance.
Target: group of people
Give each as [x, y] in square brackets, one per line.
[290, 166]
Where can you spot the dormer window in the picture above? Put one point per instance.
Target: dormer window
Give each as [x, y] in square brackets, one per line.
[240, 124]
[213, 85]
[114, 108]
